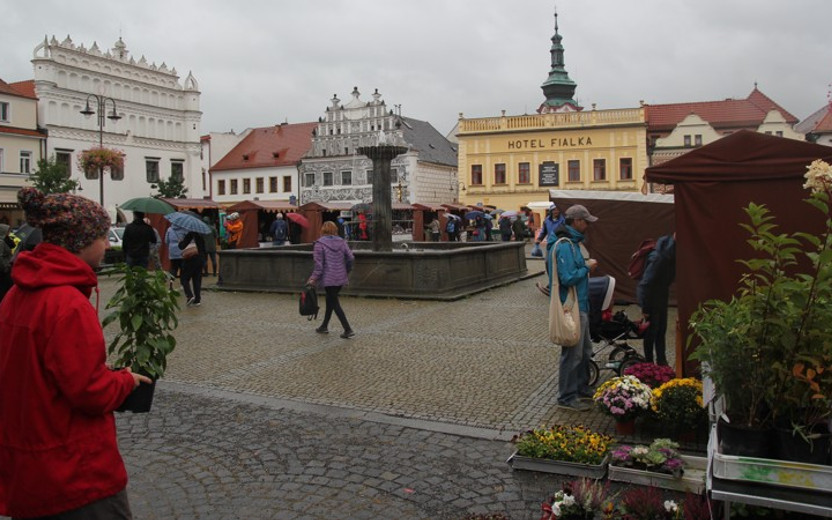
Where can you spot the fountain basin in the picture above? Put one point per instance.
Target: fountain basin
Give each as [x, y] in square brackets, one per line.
[428, 270]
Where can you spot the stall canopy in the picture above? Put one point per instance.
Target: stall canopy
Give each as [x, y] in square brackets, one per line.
[624, 220]
[712, 185]
[249, 211]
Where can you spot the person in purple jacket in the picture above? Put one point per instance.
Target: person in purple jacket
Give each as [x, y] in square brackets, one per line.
[333, 263]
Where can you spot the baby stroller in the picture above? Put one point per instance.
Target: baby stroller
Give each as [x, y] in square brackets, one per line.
[610, 332]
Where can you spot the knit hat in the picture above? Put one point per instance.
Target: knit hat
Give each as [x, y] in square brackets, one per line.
[279, 215]
[234, 216]
[69, 221]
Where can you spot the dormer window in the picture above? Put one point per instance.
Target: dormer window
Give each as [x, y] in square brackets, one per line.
[276, 154]
[245, 157]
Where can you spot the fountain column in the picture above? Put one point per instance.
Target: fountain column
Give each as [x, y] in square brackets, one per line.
[382, 156]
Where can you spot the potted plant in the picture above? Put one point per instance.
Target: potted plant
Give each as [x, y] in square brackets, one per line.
[678, 404]
[145, 310]
[624, 398]
[577, 500]
[778, 319]
[565, 449]
[659, 464]
[650, 374]
[100, 158]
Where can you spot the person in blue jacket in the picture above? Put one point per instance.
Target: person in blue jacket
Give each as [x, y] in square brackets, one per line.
[573, 270]
[550, 224]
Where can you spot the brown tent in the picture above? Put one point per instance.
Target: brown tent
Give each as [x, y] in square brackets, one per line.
[249, 211]
[624, 220]
[712, 185]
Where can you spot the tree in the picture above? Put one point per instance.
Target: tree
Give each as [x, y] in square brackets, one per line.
[51, 177]
[174, 188]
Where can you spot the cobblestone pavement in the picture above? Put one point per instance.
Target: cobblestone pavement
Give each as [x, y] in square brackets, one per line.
[258, 416]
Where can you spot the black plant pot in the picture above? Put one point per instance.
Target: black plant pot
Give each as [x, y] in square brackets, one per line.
[139, 400]
[742, 441]
[792, 446]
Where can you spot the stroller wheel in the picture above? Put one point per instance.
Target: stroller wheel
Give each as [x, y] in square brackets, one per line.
[628, 362]
[593, 372]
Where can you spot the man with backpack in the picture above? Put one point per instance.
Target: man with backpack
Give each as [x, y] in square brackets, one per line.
[652, 294]
[279, 230]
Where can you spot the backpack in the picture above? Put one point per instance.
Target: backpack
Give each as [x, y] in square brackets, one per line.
[638, 260]
[449, 226]
[308, 303]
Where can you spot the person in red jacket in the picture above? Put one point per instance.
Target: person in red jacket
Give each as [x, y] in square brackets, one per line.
[58, 451]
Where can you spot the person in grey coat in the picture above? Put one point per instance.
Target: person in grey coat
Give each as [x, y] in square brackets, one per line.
[333, 263]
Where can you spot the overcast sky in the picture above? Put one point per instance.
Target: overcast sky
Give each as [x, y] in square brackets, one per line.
[260, 62]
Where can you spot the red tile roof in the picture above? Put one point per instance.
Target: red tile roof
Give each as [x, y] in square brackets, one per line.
[22, 131]
[21, 88]
[280, 145]
[727, 114]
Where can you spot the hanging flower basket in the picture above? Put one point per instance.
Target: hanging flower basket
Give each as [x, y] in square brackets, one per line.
[96, 159]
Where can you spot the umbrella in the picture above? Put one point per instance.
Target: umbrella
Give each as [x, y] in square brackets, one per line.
[471, 215]
[509, 214]
[451, 215]
[188, 222]
[362, 206]
[149, 205]
[298, 219]
[489, 216]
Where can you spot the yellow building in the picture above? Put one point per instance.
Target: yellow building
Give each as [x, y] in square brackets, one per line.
[508, 161]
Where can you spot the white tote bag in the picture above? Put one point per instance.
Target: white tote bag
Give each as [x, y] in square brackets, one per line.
[564, 318]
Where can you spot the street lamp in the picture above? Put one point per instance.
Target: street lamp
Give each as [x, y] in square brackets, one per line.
[113, 116]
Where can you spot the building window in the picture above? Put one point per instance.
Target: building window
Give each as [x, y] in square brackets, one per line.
[779, 133]
[117, 174]
[246, 186]
[258, 185]
[308, 179]
[221, 187]
[151, 168]
[233, 186]
[327, 178]
[599, 170]
[394, 175]
[2, 165]
[687, 141]
[272, 184]
[625, 168]
[346, 178]
[524, 173]
[500, 173]
[574, 171]
[64, 158]
[25, 162]
[369, 174]
[287, 184]
[697, 140]
[476, 174]
[177, 170]
[4, 112]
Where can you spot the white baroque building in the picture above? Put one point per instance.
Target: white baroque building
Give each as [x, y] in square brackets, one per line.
[159, 129]
[333, 171]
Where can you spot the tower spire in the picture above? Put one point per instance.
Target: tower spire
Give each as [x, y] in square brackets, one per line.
[558, 88]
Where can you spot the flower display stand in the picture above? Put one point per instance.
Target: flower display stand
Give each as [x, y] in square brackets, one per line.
[693, 480]
[573, 469]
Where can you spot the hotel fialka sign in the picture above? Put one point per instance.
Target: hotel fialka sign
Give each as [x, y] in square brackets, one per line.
[549, 144]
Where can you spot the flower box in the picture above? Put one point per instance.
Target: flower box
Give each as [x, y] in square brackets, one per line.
[559, 467]
[693, 480]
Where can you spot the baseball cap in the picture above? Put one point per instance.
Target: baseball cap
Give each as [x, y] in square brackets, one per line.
[579, 211]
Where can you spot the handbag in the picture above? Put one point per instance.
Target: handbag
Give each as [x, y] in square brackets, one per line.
[190, 251]
[564, 318]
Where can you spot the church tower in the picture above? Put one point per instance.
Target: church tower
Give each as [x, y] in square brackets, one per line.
[558, 88]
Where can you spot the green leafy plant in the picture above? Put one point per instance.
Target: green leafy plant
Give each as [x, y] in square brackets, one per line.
[52, 177]
[173, 188]
[145, 310]
[778, 319]
[577, 500]
[661, 457]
